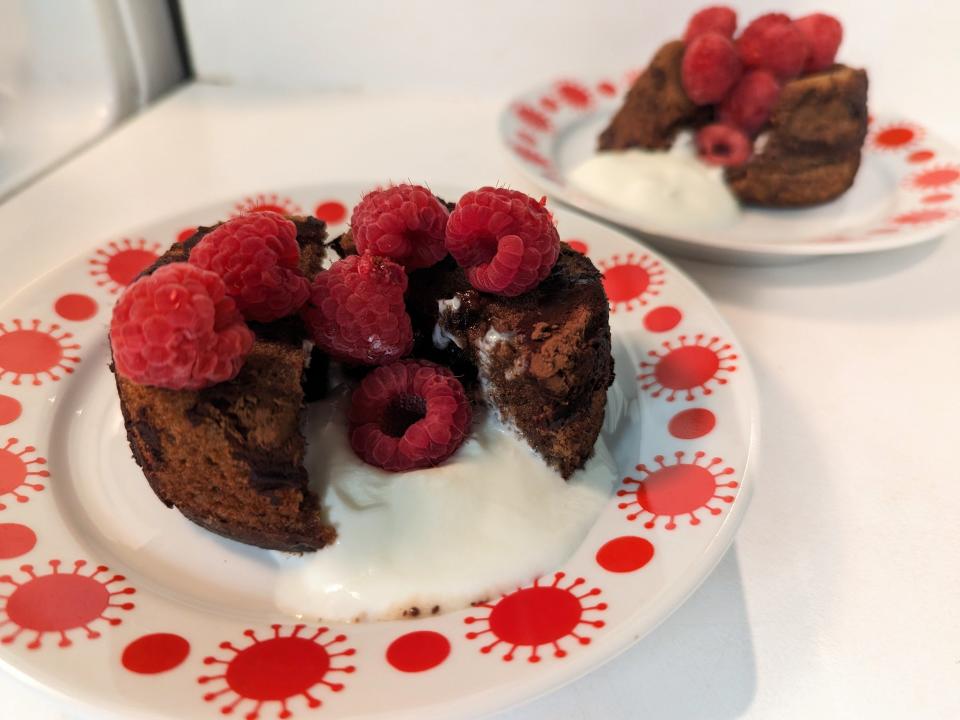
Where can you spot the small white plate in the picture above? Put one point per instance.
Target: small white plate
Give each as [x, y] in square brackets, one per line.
[111, 600]
[906, 192]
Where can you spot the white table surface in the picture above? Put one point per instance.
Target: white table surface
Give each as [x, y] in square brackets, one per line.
[839, 598]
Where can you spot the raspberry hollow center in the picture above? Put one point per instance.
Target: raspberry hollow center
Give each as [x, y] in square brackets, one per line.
[402, 412]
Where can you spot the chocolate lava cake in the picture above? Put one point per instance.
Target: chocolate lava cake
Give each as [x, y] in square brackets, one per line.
[230, 456]
[808, 153]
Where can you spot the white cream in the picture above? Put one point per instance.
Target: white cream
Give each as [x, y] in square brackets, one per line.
[441, 338]
[669, 188]
[492, 517]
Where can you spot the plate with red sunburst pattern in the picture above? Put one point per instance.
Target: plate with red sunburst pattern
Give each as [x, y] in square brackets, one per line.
[907, 189]
[115, 603]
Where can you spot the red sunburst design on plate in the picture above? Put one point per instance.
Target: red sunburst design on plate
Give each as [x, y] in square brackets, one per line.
[276, 670]
[60, 602]
[531, 155]
[549, 104]
[116, 265]
[535, 616]
[16, 469]
[526, 138]
[631, 281]
[921, 217]
[30, 350]
[533, 118]
[687, 365]
[896, 136]
[937, 198]
[672, 491]
[573, 93]
[266, 202]
[935, 177]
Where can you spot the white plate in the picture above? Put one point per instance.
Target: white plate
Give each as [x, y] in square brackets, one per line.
[906, 192]
[112, 600]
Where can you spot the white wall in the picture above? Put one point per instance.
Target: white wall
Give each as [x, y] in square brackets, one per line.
[910, 48]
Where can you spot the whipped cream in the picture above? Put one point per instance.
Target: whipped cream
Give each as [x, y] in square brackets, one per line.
[493, 517]
[668, 188]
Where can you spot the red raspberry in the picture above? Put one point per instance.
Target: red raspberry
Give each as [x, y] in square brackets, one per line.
[824, 33]
[749, 104]
[356, 311]
[178, 329]
[507, 241]
[405, 223]
[710, 68]
[258, 258]
[410, 414]
[716, 18]
[772, 42]
[723, 145]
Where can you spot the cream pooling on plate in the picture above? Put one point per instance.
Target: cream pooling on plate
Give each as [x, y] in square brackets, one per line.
[491, 518]
[668, 188]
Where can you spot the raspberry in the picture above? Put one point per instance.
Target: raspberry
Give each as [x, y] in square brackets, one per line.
[824, 34]
[410, 414]
[710, 68]
[506, 241]
[356, 311]
[717, 18]
[749, 104]
[723, 145]
[258, 258]
[405, 223]
[772, 42]
[178, 329]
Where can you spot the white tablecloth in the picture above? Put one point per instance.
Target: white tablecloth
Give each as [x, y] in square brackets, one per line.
[841, 595]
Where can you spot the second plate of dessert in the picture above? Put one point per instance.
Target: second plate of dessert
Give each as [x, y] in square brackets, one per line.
[820, 174]
[114, 600]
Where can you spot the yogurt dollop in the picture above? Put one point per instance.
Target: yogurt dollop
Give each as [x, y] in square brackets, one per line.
[493, 517]
[669, 188]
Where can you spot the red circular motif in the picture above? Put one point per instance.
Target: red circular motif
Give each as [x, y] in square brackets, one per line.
[675, 490]
[526, 138]
[578, 245]
[31, 351]
[535, 616]
[59, 602]
[573, 93]
[534, 118]
[936, 178]
[894, 137]
[16, 469]
[625, 554]
[155, 653]
[10, 409]
[16, 540]
[115, 266]
[267, 202]
[937, 198]
[276, 669]
[692, 423]
[631, 280]
[531, 156]
[549, 104]
[186, 234]
[663, 318]
[606, 88]
[918, 217]
[418, 651]
[920, 156]
[75, 307]
[331, 211]
[683, 367]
